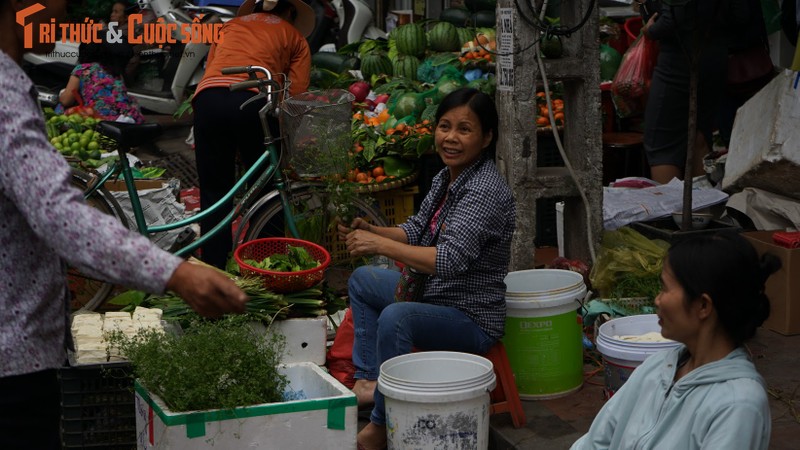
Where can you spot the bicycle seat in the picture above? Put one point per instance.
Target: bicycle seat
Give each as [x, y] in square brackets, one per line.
[129, 135]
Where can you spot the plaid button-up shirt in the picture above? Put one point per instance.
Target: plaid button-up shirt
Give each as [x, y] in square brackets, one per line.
[473, 250]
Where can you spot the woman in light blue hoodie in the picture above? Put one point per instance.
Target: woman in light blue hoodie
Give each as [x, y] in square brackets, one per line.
[705, 394]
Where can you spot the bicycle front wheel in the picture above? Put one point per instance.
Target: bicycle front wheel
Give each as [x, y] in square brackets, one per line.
[88, 292]
[314, 223]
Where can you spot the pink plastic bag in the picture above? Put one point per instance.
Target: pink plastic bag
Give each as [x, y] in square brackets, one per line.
[632, 82]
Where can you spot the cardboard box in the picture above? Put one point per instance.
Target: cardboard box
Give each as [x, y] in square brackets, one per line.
[783, 287]
[327, 418]
[141, 184]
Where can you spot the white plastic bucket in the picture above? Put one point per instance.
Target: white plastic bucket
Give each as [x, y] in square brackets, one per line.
[621, 357]
[437, 400]
[543, 337]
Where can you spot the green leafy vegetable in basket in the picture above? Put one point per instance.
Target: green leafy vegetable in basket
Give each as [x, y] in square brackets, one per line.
[295, 260]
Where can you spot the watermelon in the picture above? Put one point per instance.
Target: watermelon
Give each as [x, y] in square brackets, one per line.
[406, 66]
[333, 61]
[322, 78]
[480, 5]
[443, 37]
[410, 39]
[457, 16]
[484, 19]
[375, 63]
[465, 35]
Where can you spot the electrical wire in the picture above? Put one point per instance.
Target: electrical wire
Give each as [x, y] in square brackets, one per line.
[557, 137]
[558, 30]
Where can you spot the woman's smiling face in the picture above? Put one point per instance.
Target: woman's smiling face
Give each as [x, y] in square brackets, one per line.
[460, 140]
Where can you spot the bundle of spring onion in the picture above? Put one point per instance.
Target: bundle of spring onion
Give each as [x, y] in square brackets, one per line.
[264, 305]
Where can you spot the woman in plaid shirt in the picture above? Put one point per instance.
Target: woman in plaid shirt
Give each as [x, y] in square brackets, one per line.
[462, 307]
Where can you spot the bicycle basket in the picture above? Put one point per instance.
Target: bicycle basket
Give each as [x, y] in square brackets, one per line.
[282, 282]
[317, 129]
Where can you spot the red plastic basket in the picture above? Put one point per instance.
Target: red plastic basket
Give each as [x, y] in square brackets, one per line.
[282, 282]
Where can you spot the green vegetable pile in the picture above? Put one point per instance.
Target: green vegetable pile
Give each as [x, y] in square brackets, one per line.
[295, 260]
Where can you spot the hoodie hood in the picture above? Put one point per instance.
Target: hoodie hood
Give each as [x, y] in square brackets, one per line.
[734, 366]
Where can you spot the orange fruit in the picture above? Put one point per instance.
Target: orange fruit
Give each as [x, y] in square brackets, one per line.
[542, 121]
[559, 116]
[380, 178]
[378, 171]
[361, 177]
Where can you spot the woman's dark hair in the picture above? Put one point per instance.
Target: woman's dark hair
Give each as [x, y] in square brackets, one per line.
[279, 9]
[113, 57]
[483, 107]
[726, 267]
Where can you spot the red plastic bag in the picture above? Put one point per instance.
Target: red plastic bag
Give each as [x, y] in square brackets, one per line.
[340, 355]
[632, 82]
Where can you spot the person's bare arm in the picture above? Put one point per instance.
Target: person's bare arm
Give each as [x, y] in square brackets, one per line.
[246, 8]
[393, 233]
[67, 97]
[364, 239]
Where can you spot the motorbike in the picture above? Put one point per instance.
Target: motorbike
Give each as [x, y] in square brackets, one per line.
[342, 22]
[165, 74]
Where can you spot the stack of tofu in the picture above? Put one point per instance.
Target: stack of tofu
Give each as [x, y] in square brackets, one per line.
[89, 330]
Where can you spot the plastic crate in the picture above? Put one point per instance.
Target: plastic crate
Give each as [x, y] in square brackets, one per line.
[396, 205]
[97, 407]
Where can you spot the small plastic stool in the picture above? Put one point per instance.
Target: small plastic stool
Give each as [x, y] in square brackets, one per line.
[504, 397]
[623, 156]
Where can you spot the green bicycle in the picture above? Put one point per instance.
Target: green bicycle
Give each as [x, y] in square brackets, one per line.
[300, 209]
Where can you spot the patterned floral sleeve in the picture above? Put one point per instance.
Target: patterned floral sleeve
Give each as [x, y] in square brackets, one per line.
[39, 189]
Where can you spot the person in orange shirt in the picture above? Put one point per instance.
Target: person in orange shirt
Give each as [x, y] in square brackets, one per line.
[271, 34]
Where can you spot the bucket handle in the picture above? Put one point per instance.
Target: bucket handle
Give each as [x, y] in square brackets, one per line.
[586, 298]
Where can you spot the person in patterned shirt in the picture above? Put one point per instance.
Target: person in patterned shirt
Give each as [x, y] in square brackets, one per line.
[461, 238]
[46, 225]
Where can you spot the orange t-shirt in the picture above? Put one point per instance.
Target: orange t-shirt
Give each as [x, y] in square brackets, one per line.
[259, 39]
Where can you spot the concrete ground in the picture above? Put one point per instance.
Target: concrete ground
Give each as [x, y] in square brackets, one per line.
[555, 424]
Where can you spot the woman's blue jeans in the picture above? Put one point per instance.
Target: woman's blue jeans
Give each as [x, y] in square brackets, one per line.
[385, 329]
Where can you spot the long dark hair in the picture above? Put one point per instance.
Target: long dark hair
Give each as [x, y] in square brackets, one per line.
[113, 57]
[483, 107]
[726, 267]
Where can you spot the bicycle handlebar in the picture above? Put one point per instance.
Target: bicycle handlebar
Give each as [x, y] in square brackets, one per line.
[237, 69]
[243, 85]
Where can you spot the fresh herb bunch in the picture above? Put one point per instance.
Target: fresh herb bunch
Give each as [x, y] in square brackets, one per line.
[630, 285]
[220, 364]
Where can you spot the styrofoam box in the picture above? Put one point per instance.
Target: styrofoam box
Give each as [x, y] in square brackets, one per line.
[326, 419]
[765, 142]
[306, 339]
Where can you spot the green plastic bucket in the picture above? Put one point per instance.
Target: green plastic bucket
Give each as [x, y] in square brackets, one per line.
[543, 331]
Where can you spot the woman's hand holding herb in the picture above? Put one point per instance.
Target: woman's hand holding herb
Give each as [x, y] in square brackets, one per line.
[357, 224]
[361, 242]
[207, 291]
